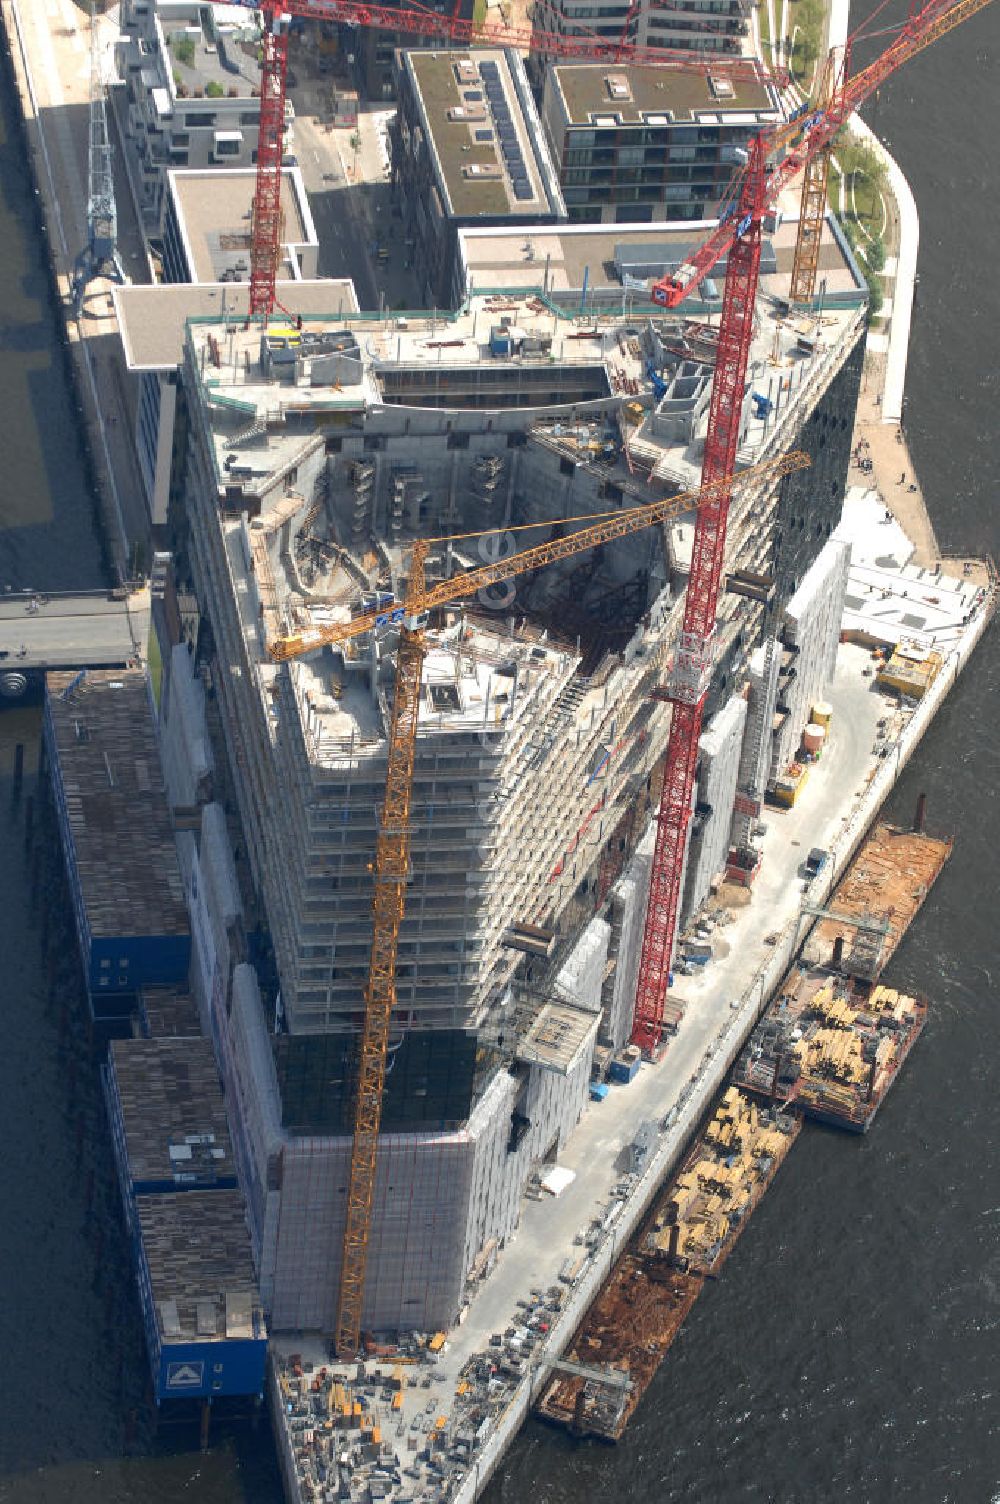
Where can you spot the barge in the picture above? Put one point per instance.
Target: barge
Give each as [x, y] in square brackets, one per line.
[878, 898]
[694, 1225]
[831, 1049]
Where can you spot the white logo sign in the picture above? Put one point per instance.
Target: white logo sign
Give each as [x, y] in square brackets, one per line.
[185, 1375]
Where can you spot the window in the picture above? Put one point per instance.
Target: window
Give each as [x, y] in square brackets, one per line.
[458, 441]
[516, 440]
[334, 444]
[567, 467]
[374, 442]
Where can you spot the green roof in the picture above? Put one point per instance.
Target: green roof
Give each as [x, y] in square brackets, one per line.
[455, 142]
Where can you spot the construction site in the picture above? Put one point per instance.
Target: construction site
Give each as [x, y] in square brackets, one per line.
[519, 690]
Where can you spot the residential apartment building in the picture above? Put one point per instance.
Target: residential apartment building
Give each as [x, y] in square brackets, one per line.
[467, 147]
[712, 26]
[191, 91]
[640, 144]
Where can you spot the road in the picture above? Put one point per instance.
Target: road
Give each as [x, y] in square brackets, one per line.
[350, 196]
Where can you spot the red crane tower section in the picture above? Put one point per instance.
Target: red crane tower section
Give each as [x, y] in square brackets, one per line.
[738, 232]
[265, 242]
[692, 667]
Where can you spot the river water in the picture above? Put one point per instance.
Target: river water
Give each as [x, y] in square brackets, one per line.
[851, 1352]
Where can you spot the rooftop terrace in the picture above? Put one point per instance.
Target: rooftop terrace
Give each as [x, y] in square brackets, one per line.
[198, 1250]
[209, 66]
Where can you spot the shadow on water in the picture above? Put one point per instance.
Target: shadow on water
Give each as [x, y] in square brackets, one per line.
[48, 532]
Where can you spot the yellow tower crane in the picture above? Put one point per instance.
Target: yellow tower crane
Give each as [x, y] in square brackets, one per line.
[392, 852]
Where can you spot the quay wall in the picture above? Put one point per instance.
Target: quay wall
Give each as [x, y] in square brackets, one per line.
[59, 261]
[705, 1083]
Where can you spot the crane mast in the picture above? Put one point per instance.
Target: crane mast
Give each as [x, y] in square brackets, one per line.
[689, 680]
[392, 860]
[265, 240]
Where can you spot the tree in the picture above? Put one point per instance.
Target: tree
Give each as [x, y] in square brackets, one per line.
[183, 49]
[874, 296]
[214, 90]
[875, 252]
[859, 160]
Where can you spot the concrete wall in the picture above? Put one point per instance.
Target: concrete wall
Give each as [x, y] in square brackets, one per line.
[812, 629]
[719, 749]
[185, 748]
[628, 917]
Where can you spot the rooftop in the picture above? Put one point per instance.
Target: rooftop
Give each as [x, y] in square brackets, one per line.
[198, 1251]
[153, 320]
[564, 256]
[214, 208]
[172, 1111]
[109, 766]
[216, 64]
[485, 146]
[603, 94]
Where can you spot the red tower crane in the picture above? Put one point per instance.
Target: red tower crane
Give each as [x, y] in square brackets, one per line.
[265, 247]
[771, 167]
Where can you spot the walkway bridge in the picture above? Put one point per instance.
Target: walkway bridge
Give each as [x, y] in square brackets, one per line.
[70, 630]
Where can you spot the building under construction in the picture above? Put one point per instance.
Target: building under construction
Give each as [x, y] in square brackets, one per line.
[316, 453]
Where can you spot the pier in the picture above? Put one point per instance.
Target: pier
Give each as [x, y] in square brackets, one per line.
[84, 629]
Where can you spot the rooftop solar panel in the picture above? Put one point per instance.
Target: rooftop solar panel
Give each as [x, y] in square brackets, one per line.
[484, 135]
[522, 190]
[473, 96]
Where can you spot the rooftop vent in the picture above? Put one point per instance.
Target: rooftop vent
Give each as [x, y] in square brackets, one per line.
[482, 170]
[617, 85]
[722, 88]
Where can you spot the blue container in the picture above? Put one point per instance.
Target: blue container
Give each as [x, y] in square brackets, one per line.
[598, 1091]
[624, 1071]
